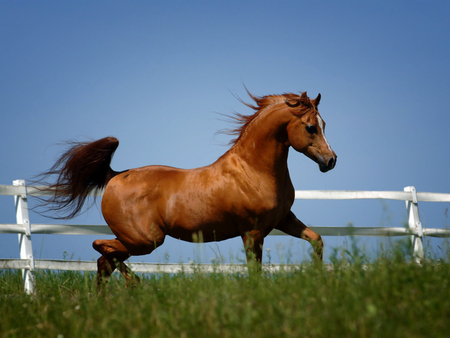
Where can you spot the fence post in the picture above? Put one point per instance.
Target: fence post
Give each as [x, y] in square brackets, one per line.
[415, 224]
[26, 249]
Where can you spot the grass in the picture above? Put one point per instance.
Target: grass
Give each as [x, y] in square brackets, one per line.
[390, 297]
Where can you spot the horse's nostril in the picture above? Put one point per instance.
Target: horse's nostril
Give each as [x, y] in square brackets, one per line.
[331, 162]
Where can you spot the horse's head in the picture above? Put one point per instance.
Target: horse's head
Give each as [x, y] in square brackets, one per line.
[306, 131]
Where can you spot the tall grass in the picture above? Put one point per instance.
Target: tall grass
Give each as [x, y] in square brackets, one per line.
[390, 297]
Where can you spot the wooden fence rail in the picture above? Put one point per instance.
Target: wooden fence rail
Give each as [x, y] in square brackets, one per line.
[24, 228]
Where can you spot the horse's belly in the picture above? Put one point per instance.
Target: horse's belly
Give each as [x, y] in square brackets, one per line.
[198, 217]
[198, 233]
[200, 224]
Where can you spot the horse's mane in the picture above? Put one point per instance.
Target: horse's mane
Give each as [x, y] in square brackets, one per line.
[243, 121]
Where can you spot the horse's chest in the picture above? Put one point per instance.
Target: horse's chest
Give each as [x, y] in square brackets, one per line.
[268, 208]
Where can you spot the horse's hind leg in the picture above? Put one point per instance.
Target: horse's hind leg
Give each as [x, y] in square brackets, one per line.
[114, 253]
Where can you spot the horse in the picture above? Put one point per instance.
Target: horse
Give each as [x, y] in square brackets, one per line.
[247, 192]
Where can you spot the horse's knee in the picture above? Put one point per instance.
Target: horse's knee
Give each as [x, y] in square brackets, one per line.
[318, 246]
[316, 241]
[311, 236]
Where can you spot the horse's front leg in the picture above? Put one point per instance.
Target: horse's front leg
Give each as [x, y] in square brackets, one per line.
[291, 225]
[253, 244]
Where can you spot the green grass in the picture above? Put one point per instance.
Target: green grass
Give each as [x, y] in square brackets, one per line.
[390, 297]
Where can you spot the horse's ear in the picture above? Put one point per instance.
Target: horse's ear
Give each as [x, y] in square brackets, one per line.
[316, 101]
[304, 96]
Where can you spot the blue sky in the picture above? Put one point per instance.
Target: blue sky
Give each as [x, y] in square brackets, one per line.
[155, 74]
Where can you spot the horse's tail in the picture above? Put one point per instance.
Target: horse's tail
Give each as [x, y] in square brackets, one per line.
[84, 167]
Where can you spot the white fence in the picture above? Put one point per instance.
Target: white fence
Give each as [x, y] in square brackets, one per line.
[24, 228]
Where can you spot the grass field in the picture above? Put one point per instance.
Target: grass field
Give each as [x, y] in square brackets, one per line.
[390, 297]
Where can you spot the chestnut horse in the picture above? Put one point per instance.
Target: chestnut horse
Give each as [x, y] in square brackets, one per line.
[247, 192]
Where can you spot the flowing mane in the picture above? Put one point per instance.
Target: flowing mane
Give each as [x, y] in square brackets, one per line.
[263, 102]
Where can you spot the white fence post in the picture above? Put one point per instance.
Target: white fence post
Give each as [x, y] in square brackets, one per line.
[26, 249]
[414, 224]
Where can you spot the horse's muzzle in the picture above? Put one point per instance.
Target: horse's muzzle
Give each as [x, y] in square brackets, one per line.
[329, 165]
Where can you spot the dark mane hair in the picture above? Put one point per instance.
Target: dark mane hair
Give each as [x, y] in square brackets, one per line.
[242, 121]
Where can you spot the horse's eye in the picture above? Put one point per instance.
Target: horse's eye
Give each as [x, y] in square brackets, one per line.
[311, 129]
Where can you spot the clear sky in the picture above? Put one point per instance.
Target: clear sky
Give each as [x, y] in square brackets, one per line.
[155, 74]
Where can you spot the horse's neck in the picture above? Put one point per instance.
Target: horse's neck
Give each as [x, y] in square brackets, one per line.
[263, 145]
